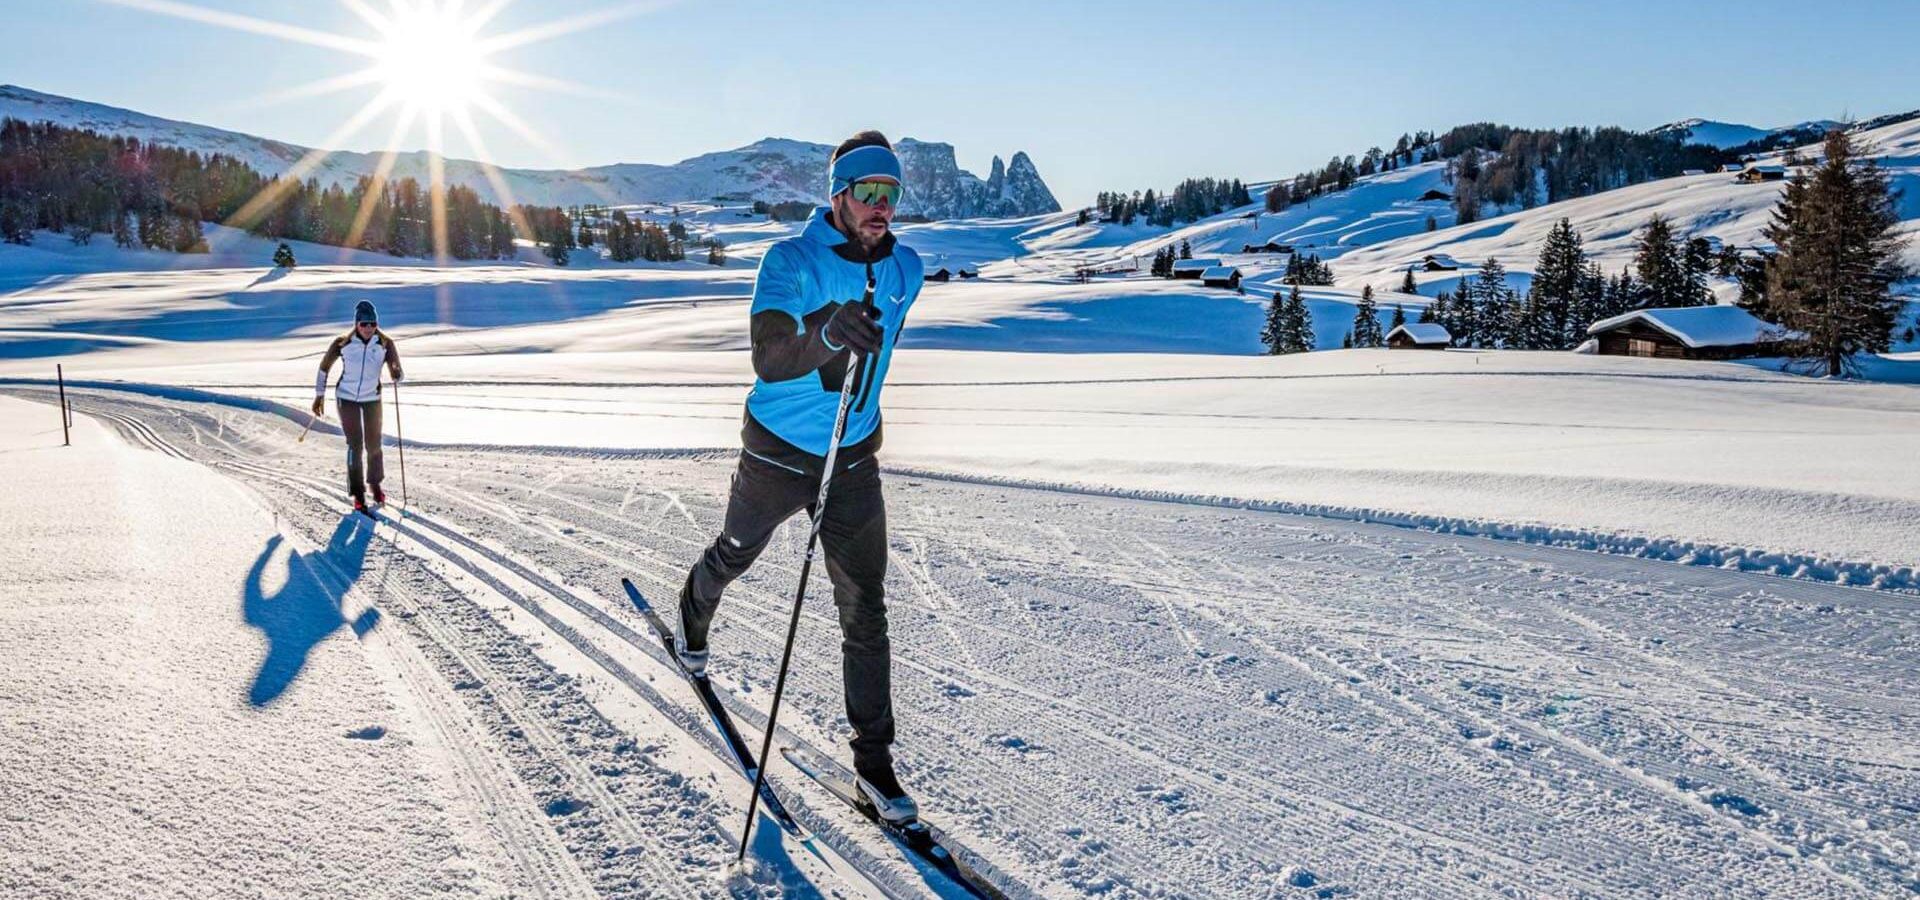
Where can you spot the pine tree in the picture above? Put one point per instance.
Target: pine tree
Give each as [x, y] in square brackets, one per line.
[1346, 341]
[1549, 322]
[1408, 285]
[1593, 300]
[716, 252]
[1446, 313]
[1399, 317]
[1433, 224]
[1366, 321]
[1273, 333]
[283, 256]
[16, 222]
[1186, 250]
[122, 229]
[1697, 263]
[1495, 307]
[187, 237]
[1657, 262]
[1277, 198]
[1751, 274]
[1478, 310]
[1300, 337]
[152, 227]
[1627, 294]
[1839, 257]
[1466, 201]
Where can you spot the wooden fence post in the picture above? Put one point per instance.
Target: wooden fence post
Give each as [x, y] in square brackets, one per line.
[66, 412]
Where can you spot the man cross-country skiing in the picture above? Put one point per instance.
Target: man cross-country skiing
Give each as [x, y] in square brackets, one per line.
[808, 319]
[361, 353]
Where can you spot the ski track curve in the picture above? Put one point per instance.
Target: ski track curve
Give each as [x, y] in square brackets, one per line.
[1402, 713]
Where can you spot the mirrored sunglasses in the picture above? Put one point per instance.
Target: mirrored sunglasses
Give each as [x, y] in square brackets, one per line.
[872, 192]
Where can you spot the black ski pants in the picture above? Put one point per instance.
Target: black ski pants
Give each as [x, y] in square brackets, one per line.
[361, 422]
[854, 538]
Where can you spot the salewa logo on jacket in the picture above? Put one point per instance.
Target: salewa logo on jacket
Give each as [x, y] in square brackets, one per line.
[360, 362]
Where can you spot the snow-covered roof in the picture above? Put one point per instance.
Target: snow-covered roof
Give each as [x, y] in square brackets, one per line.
[1219, 272]
[1768, 169]
[1188, 265]
[1699, 326]
[1423, 333]
[1732, 167]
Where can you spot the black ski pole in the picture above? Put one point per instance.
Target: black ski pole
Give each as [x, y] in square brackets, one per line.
[800, 594]
[400, 441]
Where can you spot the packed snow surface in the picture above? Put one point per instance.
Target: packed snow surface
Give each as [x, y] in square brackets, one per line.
[1098, 696]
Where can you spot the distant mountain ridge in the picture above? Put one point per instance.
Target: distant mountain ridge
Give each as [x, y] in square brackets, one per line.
[1728, 135]
[772, 169]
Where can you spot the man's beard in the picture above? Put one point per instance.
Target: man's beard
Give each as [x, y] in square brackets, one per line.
[851, 228]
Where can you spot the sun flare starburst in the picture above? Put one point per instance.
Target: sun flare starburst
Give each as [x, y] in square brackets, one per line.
[429, 56]
[430, 63]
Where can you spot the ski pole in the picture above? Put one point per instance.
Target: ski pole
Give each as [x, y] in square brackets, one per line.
[400, 441]
[800, 594]
[303, 432]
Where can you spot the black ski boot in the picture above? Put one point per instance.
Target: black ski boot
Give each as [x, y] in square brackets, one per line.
[883, 790]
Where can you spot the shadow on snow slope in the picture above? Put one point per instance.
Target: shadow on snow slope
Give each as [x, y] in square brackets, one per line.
[306, 610]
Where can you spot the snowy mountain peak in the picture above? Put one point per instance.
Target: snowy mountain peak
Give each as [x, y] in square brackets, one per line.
[772, 169]
[1711, 133]
[939, 188]
[1025, 189]
[1727, 135]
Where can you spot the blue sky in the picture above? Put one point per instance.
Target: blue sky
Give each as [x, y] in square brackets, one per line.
[1119, 95]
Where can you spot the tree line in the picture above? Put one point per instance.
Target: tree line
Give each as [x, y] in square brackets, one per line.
[1508, 166]
[82, 183]
[1341, 172]
[1190, 200]
[1827, 285]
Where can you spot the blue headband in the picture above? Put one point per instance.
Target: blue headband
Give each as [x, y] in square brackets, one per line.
[871, 161]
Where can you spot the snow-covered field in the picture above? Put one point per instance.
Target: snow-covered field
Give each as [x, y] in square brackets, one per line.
[1100, 696]
[1171, 618]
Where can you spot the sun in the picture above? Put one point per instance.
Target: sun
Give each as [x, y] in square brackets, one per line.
[431, 65]
[430, 57]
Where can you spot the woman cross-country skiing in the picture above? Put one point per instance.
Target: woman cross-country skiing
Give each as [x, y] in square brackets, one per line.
[808, 318]
[361, 352]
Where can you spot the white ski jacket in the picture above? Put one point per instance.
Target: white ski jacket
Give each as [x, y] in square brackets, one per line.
[360, 363]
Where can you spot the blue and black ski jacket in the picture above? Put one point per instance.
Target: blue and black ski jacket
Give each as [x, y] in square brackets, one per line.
[796, 392]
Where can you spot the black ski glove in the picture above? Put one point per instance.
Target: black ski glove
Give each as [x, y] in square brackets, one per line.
[855, 326]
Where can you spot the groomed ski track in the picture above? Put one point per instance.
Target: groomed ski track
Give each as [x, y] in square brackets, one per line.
[1120, 697]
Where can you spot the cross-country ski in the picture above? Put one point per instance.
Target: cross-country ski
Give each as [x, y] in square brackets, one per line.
[915, 835]
[736, 745]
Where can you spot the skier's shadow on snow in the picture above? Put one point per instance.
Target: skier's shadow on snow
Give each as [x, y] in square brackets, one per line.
[306, 610]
